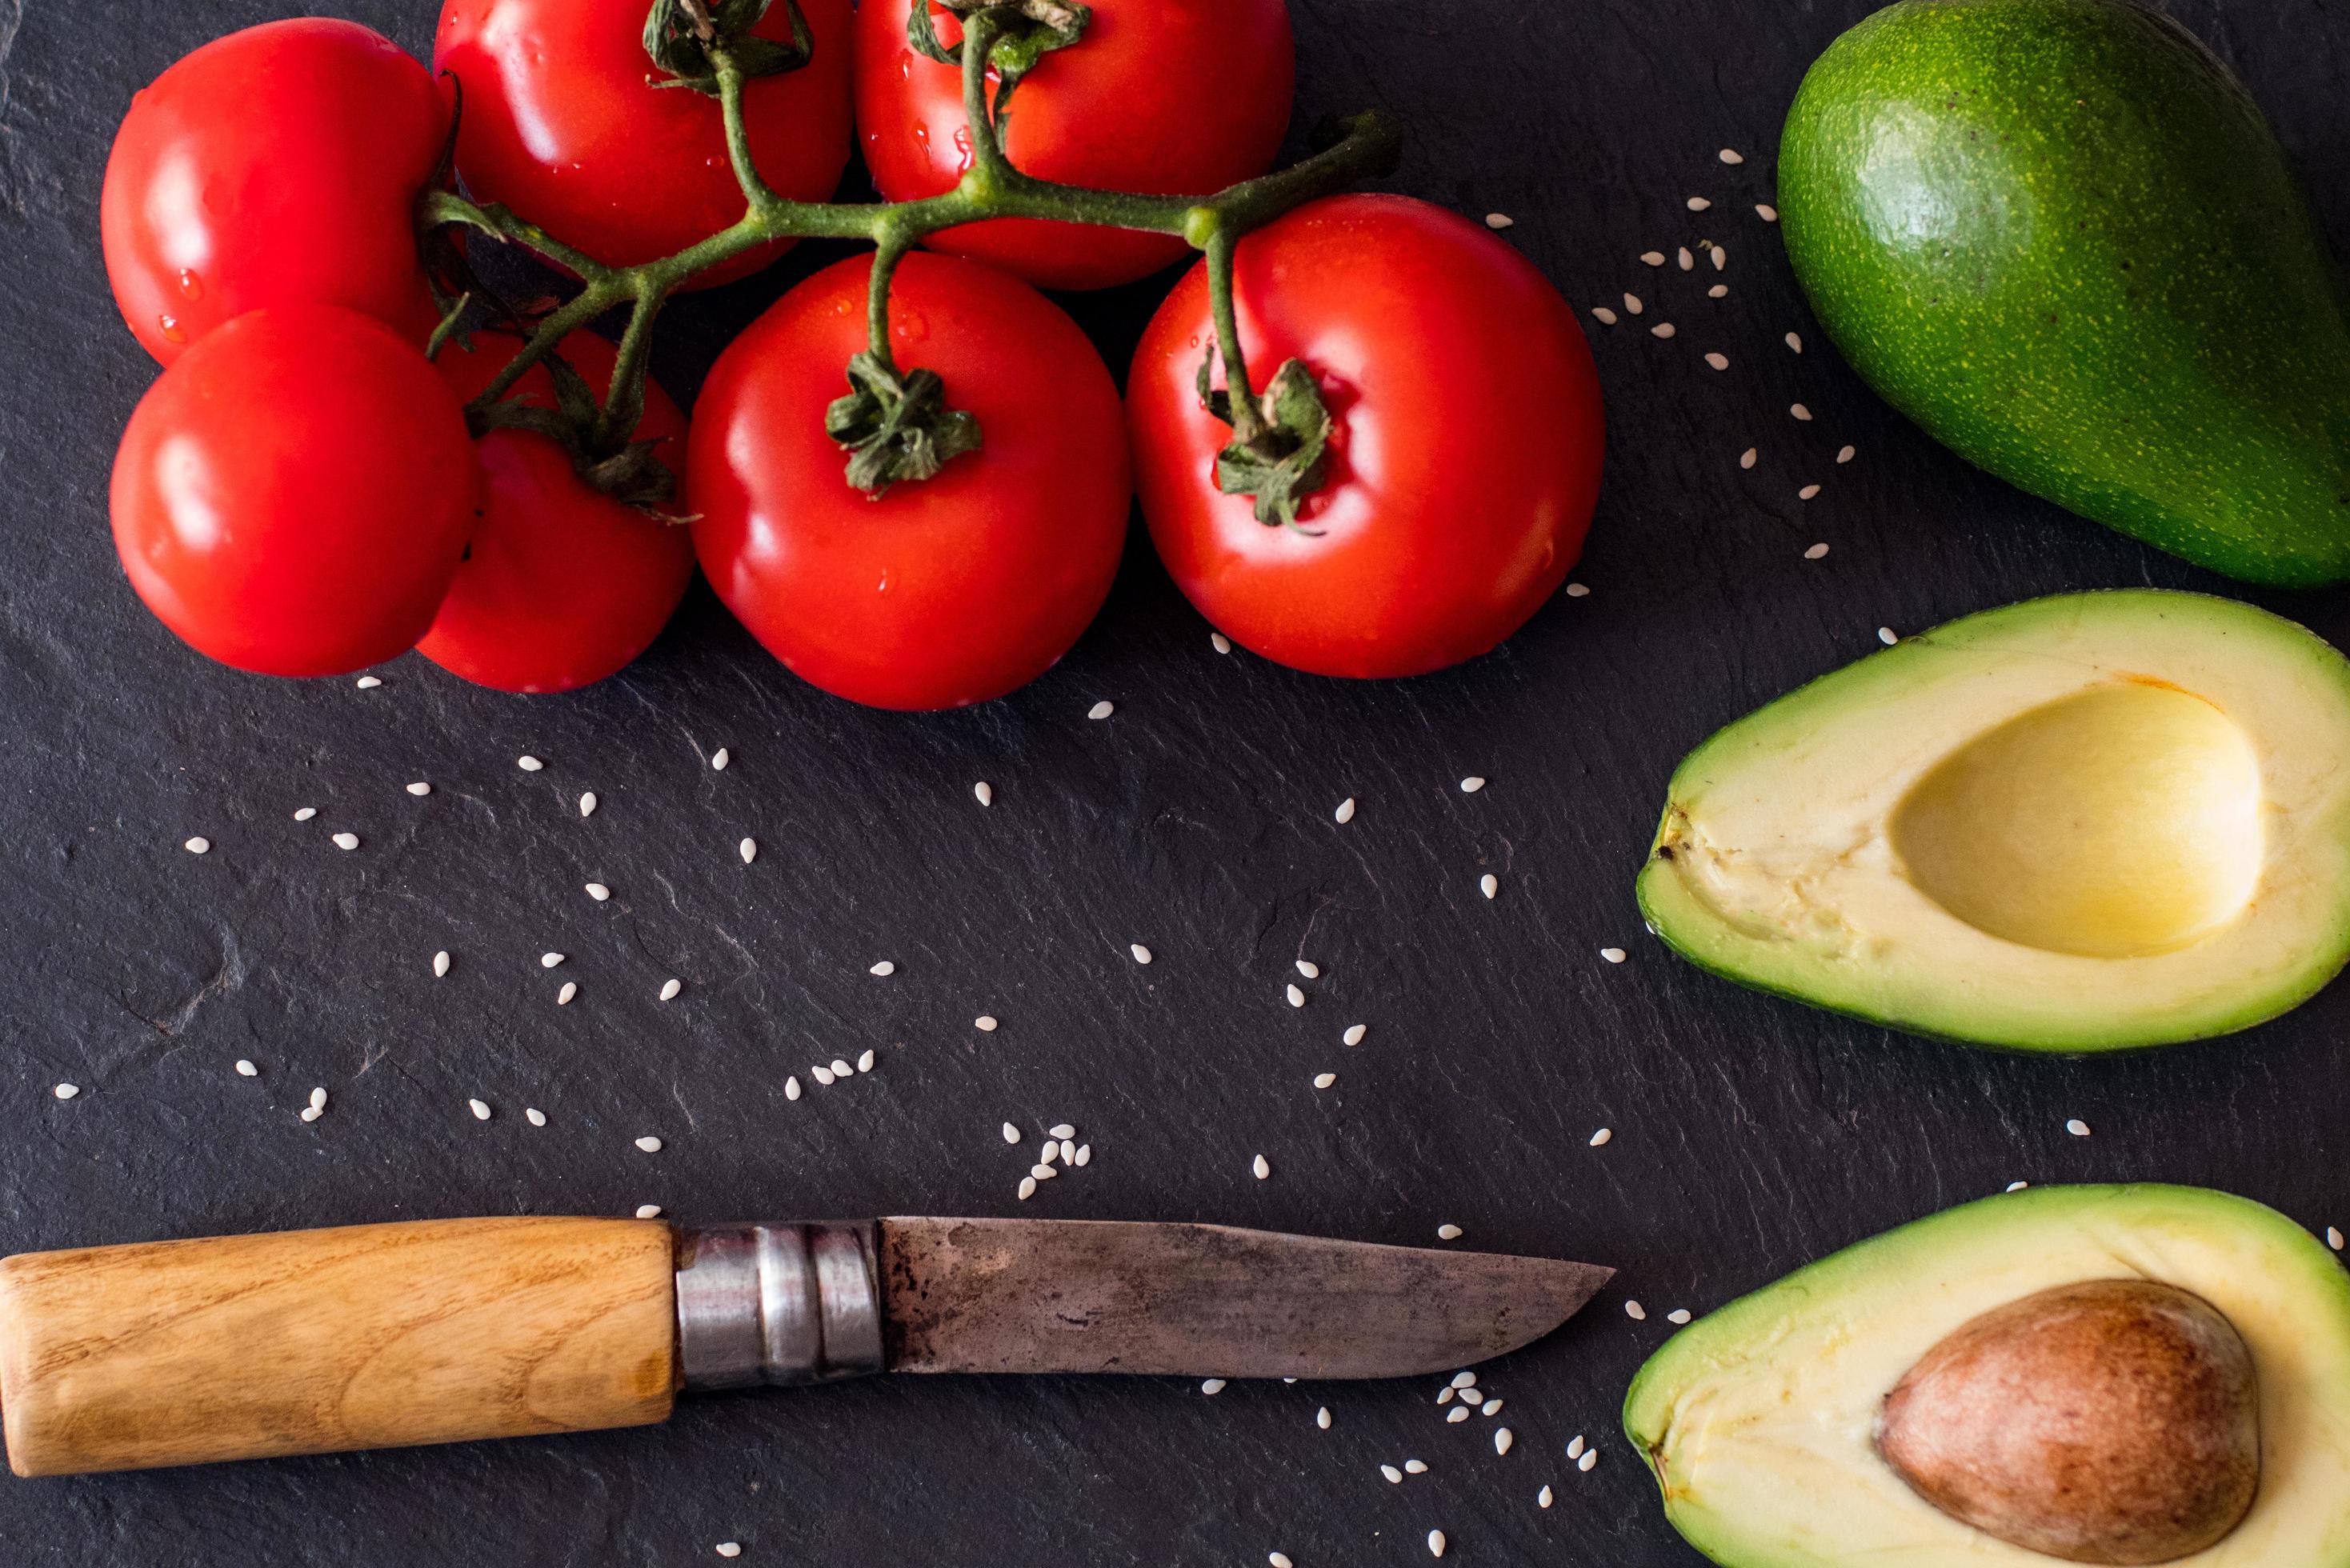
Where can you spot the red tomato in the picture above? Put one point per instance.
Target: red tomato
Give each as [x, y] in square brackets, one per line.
[291, 497]
[1465, 459]
[562, 585]
[943, 592]
[1163, 97]
[279, 165]
[562, 122]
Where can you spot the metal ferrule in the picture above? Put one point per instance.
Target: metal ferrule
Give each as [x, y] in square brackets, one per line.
[777, 1303]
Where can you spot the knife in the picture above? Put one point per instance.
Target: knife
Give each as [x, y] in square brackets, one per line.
[304, 1342]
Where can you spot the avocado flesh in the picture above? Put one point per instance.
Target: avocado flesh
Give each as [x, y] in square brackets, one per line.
[2061, 239]
[2082, 823]
[1757, 1419]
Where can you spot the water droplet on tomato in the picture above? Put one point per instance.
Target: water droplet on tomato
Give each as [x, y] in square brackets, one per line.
[905, 67]
[921, 136]
[962, 148]
[172, 331]
[190, 284]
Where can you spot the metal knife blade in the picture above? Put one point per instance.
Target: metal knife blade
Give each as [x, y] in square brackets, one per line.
[1042, 1295]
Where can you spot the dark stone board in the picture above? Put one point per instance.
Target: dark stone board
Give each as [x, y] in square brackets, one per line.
[1750, 1135]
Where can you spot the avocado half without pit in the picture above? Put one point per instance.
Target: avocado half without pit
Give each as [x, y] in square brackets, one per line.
[2082, 823]
[2117, 1374]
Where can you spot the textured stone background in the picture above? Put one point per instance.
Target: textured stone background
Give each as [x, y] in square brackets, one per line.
[1751, 1136]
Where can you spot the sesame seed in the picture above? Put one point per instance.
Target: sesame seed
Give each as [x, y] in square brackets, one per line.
[1395, 1476]
[1085, 1156]
[1470, 1397]
[1661, 329]
[1602, 1137]
[1436, 1543]
[1220, 642]
[1688, 261]
[311, 1113]
[1613, 955]
[1844, 454]
[1346, 812]
[1042, 1171]
[1050, 1152]
[1324, 1080]
[1297, 997]
[245, 1069]
[1731, 155]
[1069, 1152]
[1746, 458]
[1698, 204]
[2077, 1128]
[1575, 1446]
[748, 849]
[440, 963]
[1654, 258]
[1542, 1497]
[67, 1091]
[563, 997]
[984, 793]
[1577, 591]
[1679, 1315]
[1060, 1130]
[1766, 211]
[1028, 1187]
[1799, 412]
[719, 759]
[1448, 1233]
[529, 765]
[865, 1061]
[1322, 1418]
[1464, 1380]
[306, 814]
[534, 1116]
[984, 1024]
[1499, 220]
[670, 988]
[2334, 1238]
[368, 682]
[1141, 955]
[318, 1098]
[1102, 710]
[346, 841]
[1415, 1466]
[649, 1144]
[548, 960]
[1457, 1414]
[1010, 1133]
[1489, 1408]
[420, 789]
[1472, 784]
[1632, 305]
[480, 1108]
[1213, 1385]
[1719, 361]
[1885, 634]
[587, 804]
[729, 1549]
[598, 891]
[1279, 1560]
[1489, 885]
[1607, 317]
[1503, 1439]
[198, 845]
[1444, 1394]
[840, 1069]
[1816, 552]
[792, 1087]
[1590, 1457]
[1718, 291]
[1807, 492]
[1261, 1167]
[1635, 1312]
[1354, 1034]
[883, 970]
[1795, 340]
[648, 1210]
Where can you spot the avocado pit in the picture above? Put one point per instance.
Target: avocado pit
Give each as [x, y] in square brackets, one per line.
[2112, 1421]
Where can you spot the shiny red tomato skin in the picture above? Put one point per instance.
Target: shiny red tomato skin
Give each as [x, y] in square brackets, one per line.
[1465, 462]
[939, 594]
[561, 585]
[278, 165]
[562, 124]
[1163, 97]
[292, 496]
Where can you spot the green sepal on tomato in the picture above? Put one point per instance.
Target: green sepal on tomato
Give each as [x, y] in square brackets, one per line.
[294, 492]
[278, 165]
[937, 594]
[1161, 97]
[567, 121]
[561, 585]
[1464, 454]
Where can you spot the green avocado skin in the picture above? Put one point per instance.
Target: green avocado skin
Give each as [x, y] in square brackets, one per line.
[2062, 239]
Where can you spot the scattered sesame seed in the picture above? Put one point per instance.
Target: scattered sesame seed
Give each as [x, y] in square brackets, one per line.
[1061, 1130]
[1457, 1414]
[2334, 1238]
[1464, 1380]
[1698, 204]
[306, 814]
[1766, 211]
[346, 841]
[1436, 1543]
[1261, 1167]
[1799, 412]
[670, 987]
[1069, 1152]
[311, 1113]
[1472, 784]
[1654, 258]
[1141, 955]
[1662, 329]
[1324, 1080]
[1575, 1446]
[1503, 1439]
[1346, 812]
[1731, 155]
[1042, 1171]
[1499, 220]
[534, 1116]
[1807, 492]
[1448, 1233]
[1720, 257]
[480, 1108]
[1885, 634]
[1844, 454]
[1415, 1466]
[648, 1210]
[1816, 552]
[198, 845]
[548, 960]
[1085, 1156]
[2077, 1128]
[1354, 1034]
[67, 1091]
[719, 759]
[1746, 458]
[649, 1144]
[1489, 885]
[1719, 361]
[1718, 291]
[1577, 591]
[1470, 1397]
[1542, 1497]
[563, 997]
[1632, 305]
[1590, 1457]
[1607, 317]
[598, 891]
[318, 1098]
[245, 1069]
[1309, 969]
[984, 793]
[1688, 261]
[1489, 1408]
[1102, 710]
[1635, 1312]
[588, 802]
[1613, 955]
[984, 1024]
[729, 1549]
[1677, 1315]
[748, 849]
[1795, 340]
[883, 970]
[865, 1061]
[792, 1087]
[1322, 1418]
[1297, 997]
[1279, 1559]
[1444, 1394]
[840, 1069]
[2017, 1186]
[1028, 1187]
[1220, 642]
[1213, 1385]
[420, 789]
[1395, 1476]
[1602, 1137]
[368, 682]
[529, 765]
[1049, 1153]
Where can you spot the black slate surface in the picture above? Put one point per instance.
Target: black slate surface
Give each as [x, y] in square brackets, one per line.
[1750, 1135]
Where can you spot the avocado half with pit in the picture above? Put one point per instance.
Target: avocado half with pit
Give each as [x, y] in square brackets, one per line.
[2137, 1374]
[2082, 823]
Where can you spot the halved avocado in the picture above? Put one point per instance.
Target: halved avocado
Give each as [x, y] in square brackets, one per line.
[2082, 823]
[1759, 1419]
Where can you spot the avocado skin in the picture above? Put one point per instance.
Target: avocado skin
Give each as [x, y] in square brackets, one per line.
[2059, 236]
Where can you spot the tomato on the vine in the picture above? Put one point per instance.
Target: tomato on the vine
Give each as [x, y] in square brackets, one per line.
[1465, 457]
[1163, 97]
[278, 165]
[565, 121]
[937, 592]
[562, 585]
[292, 496]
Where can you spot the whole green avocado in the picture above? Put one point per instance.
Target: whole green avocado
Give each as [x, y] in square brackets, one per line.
[2060, 236]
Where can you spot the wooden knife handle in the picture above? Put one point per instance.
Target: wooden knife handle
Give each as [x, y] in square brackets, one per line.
[306, 1341]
